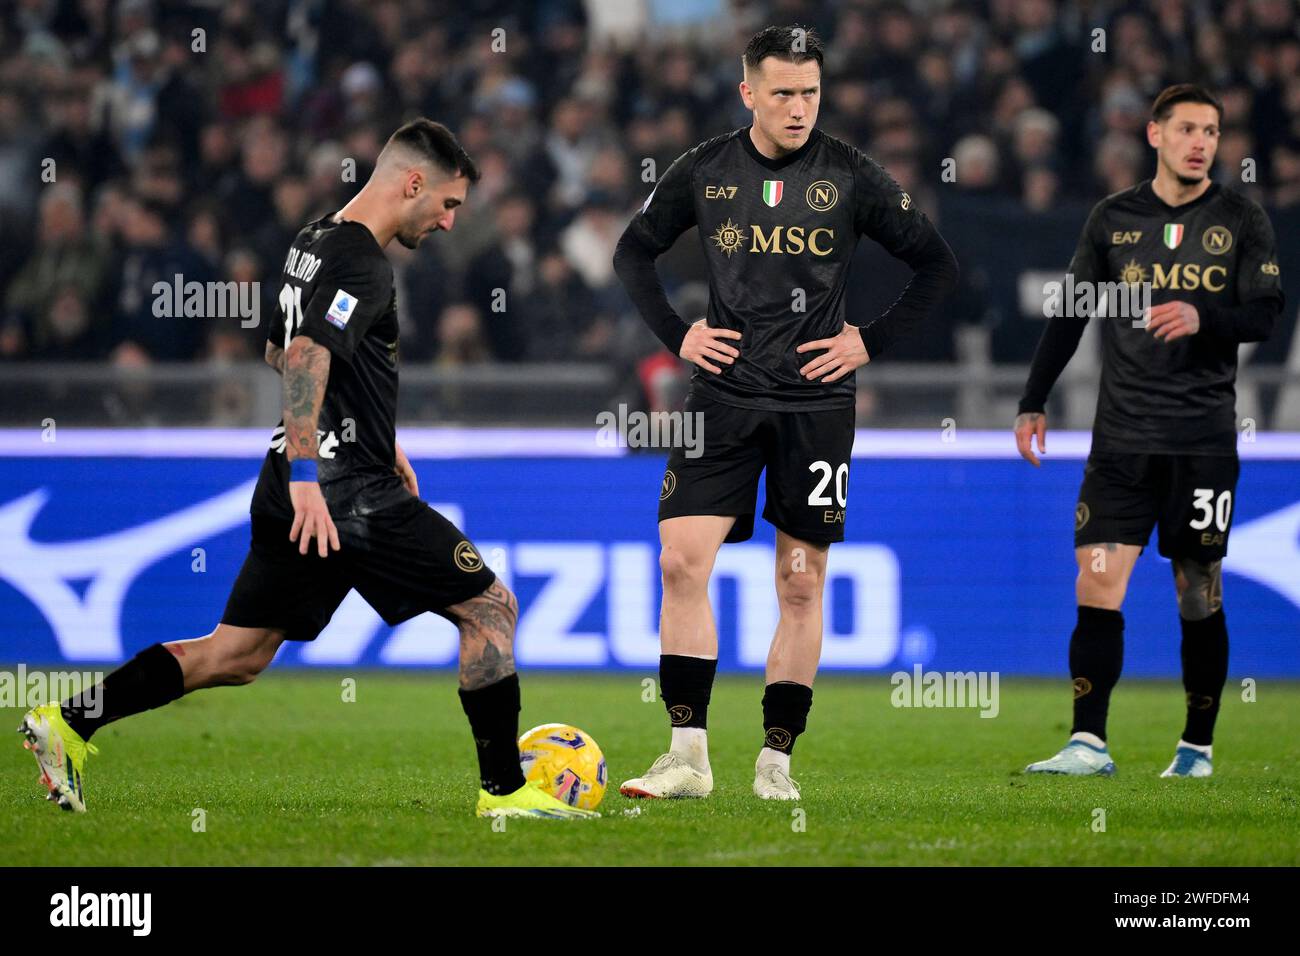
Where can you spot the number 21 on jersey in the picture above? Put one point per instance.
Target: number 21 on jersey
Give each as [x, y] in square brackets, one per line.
[291, 307]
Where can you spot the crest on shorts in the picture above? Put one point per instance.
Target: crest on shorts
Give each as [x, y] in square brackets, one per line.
[467, 558]
[1081, 515]
[669, 485]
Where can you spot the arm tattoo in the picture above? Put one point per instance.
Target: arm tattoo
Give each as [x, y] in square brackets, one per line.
[306, 370]
[275, 357]
[487, 631]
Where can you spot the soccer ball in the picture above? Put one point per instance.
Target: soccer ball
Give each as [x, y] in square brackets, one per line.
[567, 761]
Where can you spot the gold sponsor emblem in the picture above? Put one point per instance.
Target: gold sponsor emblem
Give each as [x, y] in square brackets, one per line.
[1132, 273]
[822, 195]
[669, 485]
[729, 237]
[1081, 515]
[720, 192]
[1270, 269]
[1216, 240]
[467, 559]
[1125, 237]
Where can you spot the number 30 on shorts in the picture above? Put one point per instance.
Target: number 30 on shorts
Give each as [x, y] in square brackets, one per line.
[1218, 511]
[818, 498]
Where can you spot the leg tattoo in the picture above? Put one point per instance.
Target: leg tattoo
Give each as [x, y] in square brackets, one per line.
[487, 634]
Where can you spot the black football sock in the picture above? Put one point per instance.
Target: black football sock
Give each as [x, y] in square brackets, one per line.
[150, 679]
[785, 714]
[1205, 671]
[686, 684]
[1096, 658]
[493, 713]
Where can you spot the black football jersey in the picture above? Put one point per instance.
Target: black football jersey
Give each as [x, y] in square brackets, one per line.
[778, 236]
[337, 288]
[1218, 250]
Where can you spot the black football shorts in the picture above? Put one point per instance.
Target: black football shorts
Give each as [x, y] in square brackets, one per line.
[806, 454]
[1188, 497]
[403, 560]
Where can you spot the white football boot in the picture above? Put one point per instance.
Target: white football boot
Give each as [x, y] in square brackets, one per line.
[670, 776]
[773, 783]
[1189, 761]
[1078, 758]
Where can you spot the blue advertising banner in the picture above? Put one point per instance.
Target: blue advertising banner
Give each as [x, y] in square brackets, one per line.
[958, 556]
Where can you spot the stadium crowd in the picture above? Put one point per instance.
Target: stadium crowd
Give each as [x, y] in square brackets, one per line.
[140, 140]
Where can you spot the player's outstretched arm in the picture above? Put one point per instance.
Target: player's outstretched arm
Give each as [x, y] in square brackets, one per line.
[306, 370]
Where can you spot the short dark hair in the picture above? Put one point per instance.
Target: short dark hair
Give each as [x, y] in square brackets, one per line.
[1171, 96]
[438, 145]
[793, 44]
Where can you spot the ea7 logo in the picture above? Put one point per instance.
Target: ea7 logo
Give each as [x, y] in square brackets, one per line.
[75, 908]
[720, 192]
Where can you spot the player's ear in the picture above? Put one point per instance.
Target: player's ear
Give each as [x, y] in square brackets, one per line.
[746, 95]
[414, 183]
[1153, 133]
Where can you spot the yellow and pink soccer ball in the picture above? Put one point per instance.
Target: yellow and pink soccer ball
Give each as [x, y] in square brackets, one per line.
[568, 761]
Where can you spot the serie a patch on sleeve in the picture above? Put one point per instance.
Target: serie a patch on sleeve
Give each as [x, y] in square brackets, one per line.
[341, 309]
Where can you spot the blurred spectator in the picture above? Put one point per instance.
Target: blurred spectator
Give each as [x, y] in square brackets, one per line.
[154, 257]
[170, 160]
[976, 164]
[69, 266]
[502, 278]
[563, 322]
[460, 336]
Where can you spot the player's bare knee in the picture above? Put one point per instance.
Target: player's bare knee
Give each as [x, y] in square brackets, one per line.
[1200, 588]
[799, 591]
[1100, 590]
[682, 571]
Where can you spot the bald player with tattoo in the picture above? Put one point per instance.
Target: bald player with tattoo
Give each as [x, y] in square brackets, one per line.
[1164, 442]
[336, 505]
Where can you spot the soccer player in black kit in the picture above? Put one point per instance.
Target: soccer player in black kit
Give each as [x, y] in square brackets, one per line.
[1164, 441]
[780, 207]
[336, 505]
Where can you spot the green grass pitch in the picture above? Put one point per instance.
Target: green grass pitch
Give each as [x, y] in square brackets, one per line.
[287, 773]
